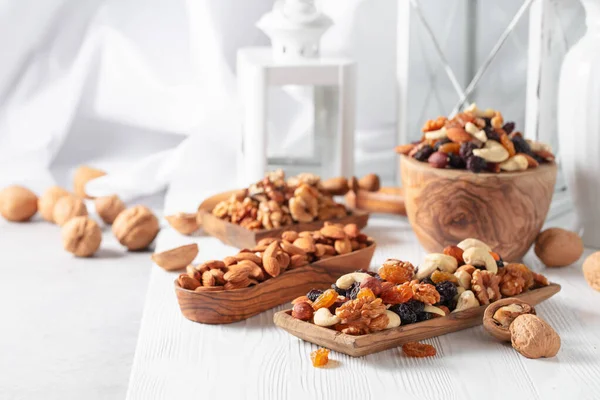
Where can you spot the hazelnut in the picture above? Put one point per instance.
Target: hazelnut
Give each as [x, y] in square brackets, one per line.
[335, 186]
[109, 207]
[499, 315]
[591, 270]
[184, 223]
[48, 200]
[82, 176]
[558, 247]
[136, 227]
[302, 311]
[372, 283]
[81, 236]
[18, 204]
[68, 207]
[369, 182]
[438, 160]
[533, 337]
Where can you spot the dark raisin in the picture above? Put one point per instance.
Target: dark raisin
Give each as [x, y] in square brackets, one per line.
[454, 161]
[466, 150]
[341, 292]
[476, 164]
[508, 127]
[447, 291]
[451, 304]
[406, 314]
[415, 305]
[500, 263]
[313, 294]
[366, 271]
[424, 153]
[488, 121]
[521, 145]
[538, 158]
[491, 134]
[441, 142]
[335, 305]
[428, 281]
[353, 290]
[424, 316]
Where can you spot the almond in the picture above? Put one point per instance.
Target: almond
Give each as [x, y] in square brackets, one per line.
[305, 243]
[209, 289]
[370, 183]
[343, 246]
[187, 282]
[291, 249]
[270, 263]
[237, 273]
[283, 259]
[184, 223]
[208, 279]
[218, 275]
[531, 162]
[290, 236]
[248, 256]
[333, 232]
[212, 264]
[229, 260]
[256, 271]
[297, 261]
[404, 148]
[458, 135]
[351, 230]
[450, 148]
[177, 258]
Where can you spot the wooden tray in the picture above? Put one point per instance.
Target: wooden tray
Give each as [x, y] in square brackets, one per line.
[357, 346]
[237, 236]
[388, 200]
[235, 305]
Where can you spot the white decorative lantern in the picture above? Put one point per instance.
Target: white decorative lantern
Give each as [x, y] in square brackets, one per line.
[295, 28]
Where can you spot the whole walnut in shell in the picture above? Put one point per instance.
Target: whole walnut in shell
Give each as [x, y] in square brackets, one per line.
[109, 207]
[82, 176]
[136, 227]
[18, 204]
[48, 200]
[591, 270]
[81, 236]
[533, 337]
[68, 207]
[558, 247]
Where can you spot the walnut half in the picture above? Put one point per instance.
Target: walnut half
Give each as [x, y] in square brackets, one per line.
[499, 316]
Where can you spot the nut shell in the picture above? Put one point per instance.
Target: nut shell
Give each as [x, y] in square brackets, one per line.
[591, 270]
[184, 223]
[48, 200]
[177, 258]
[83, 175]
[18, 204]
[533, 337]
[109, 207]
[492, 326]
[136, 227]
[81, 236]
[558, 247]
[68, 207]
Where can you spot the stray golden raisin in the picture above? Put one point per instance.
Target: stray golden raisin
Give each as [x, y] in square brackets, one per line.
[320, 357]
[325, 300]
[416, 349]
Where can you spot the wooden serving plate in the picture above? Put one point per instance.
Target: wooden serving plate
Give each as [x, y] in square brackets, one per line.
[228, 306]
[357, 346]
[240, 237]
[387, 200]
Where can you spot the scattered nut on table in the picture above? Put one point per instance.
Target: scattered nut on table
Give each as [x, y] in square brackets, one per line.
[136, 227]
[48, 200]
[18, 204]
[184, 223]
[558, 247]
[591, 270]
[370, 183]
[499, 315]
[533, 337]
[335, 186]
[68, 207]
[177, 258]
[82, 176]
[109, 207]
[81, 236]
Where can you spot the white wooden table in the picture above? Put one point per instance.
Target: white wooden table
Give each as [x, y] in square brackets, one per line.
[177, 358]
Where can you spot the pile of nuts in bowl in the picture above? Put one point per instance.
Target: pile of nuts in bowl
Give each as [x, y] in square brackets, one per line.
[272, 257]
[275, 202]
[477, 140]
[464, 276]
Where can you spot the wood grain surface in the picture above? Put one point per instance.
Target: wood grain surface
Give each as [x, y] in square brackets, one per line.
[227, 306]
[362, 345]
[505, 210]
[240, 237]
[387, 200]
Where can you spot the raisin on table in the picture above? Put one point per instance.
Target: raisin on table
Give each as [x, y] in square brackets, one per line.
[320, 357]
[416, 349]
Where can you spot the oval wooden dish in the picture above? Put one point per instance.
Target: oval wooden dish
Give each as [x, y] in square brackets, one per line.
[357, 346]
[387, 200]
[240, 237]
[228, 306]
[505, 210]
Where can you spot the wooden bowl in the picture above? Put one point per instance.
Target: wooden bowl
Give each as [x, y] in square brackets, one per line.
[228, 306]
[357, 346]
[505, 210]
[387, 200]
[240, 237]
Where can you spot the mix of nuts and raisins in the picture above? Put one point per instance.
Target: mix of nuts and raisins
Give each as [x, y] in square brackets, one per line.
[464, 276]
[477, 140]
[273, 256]
[275, 202]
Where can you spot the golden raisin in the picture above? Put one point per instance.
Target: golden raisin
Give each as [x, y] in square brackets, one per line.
[325, 300]
[425, 293]
[320, 357]
[434, 125]
[365, 292]
[441, 276]
[396, 271]
[397, 294]
[416, 349]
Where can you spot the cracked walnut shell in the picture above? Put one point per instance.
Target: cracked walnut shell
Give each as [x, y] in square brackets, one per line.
[81, 236]
[499, 315]
[136, 227]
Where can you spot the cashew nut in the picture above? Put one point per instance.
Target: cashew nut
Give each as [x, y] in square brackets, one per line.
[515, 163]
[393, 318]
[324, 317]
[477, 133]
[488, 113]
[466, 300]
[459, 290]
[472, 242]
[435, 261]
[478, 256]
[539, 146]
[434, 310]
[345, 281]
[492, 151]
[464, 279]
[439, 134]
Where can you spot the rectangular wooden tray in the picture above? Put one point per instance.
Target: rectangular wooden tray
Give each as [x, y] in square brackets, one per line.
[228, 306]
[240, 237]
[357, 346]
